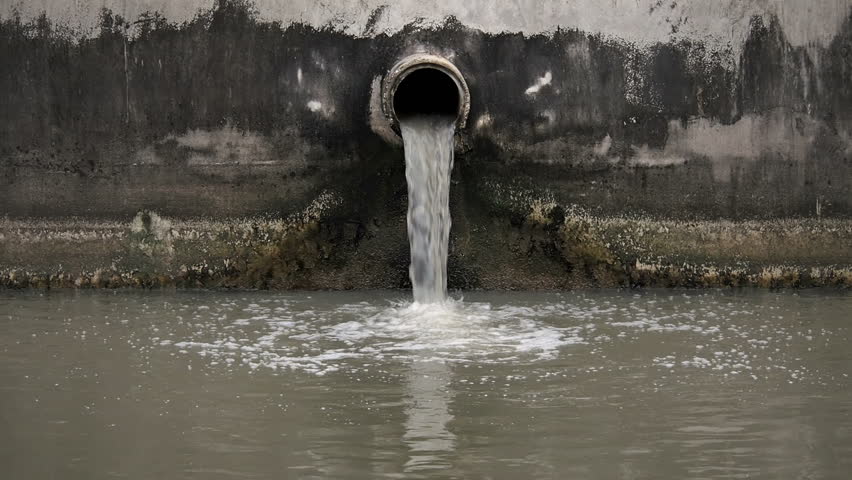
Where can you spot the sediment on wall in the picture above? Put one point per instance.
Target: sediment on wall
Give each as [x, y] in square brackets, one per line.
[639, 250]
[519, 241]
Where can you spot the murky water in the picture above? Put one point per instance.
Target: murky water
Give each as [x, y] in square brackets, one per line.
[358, 385]
[428, 164]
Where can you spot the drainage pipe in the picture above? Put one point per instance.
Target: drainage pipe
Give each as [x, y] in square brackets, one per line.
[423, 84]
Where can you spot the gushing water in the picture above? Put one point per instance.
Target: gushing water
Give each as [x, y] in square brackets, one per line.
[428, 162]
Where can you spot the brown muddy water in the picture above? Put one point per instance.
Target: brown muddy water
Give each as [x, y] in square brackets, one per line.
[358, 385]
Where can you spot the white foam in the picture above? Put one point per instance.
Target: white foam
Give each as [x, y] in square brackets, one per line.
[452, 331]
[674, 335]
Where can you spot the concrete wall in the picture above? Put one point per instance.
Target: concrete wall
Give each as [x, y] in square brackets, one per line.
[609, 143]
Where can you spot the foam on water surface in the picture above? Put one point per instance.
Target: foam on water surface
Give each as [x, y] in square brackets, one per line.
[322, 341]
[676, 334]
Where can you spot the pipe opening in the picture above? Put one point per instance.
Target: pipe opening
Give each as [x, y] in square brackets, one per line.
[426, 91]
[425, 84]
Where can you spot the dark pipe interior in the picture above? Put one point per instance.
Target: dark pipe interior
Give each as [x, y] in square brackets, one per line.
[426, 91]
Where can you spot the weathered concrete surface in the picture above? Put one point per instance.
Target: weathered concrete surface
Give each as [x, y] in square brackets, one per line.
[719, 23]
[514, 241]
[662, 143]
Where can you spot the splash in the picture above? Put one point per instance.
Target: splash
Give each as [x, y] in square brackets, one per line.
[280, 335]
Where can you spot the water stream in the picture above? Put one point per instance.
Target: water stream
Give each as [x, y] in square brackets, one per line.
[428, 143]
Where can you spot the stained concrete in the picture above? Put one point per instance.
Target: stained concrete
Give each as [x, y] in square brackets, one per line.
[692, 118]
[720, 23]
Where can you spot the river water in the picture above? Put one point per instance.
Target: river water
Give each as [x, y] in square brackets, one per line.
[358, 385]
[428, 145]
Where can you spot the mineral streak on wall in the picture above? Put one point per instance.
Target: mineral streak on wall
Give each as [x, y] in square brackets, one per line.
[239, 143]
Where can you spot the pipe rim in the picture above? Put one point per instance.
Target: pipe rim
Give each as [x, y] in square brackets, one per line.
[411, 64]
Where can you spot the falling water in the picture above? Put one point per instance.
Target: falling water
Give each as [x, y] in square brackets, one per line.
[428, 163]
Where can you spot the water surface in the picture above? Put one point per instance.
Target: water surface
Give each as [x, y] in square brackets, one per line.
[603, 384]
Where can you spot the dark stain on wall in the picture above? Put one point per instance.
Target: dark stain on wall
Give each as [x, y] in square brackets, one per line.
[229, 115]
